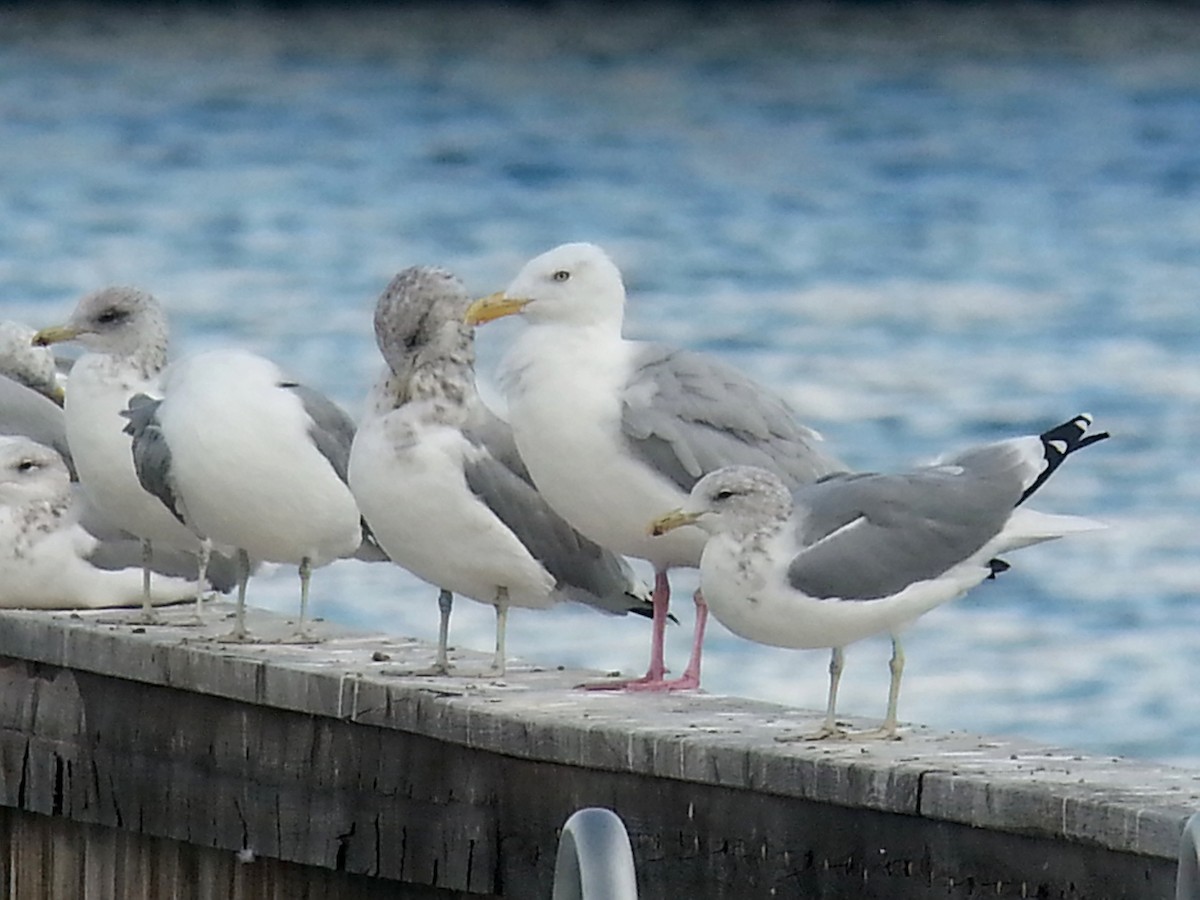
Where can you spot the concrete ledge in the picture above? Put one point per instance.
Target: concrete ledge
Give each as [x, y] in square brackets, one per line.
[463, 780]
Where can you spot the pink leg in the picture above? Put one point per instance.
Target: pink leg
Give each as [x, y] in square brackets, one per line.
[690, 680]
[661, 601]
[653, 680]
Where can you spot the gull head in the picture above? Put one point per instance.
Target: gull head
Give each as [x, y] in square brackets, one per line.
[30, 471]
[122, 321]
[420, 316]
[737, 499]
[32, 366]
[573, 284]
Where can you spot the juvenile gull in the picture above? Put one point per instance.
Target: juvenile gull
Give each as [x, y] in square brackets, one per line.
[32, 366]
[245, 458]
[615, 431]
[47, 560]
[439, 480]
[855, 555]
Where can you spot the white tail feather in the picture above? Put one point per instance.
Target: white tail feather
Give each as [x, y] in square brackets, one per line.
[1028, 526]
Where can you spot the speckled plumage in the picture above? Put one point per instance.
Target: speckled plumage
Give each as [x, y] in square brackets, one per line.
[439, 481]
[853, 555]
[27, 364]
[46, 557]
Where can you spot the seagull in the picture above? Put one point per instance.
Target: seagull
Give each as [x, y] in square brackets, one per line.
[860, 554]
[124, 333]
[27, 412]
[614, 431]
[439, 479]
[243, 457]
[30, 394]
[28, 408]
[35, 367]
[47, 559]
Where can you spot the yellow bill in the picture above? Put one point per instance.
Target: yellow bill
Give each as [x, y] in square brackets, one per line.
[672, 520]
[493, 306]
[55, 334]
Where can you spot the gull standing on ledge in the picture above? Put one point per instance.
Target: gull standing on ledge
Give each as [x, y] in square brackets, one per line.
[615, 431]
[439, 481]
[30, 398]
[47, 559]
[250, 460]
[856, 555]
[124, 331]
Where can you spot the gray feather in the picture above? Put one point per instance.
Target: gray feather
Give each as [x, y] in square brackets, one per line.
[869, 536]
[583, 570]
[686, 414]
[332, 429]
[486, 429]
[151, 454]
[221, 573]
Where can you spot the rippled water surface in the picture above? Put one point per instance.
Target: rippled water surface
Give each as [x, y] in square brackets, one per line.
[927, 226]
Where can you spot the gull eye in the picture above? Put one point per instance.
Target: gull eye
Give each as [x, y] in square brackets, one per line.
[26, 465]
[110, 315]
[561, 275]
[723, 495]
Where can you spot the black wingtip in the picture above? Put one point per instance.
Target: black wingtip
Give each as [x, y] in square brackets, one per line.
[645, 608]
[1060, 442]
[1091, 439]
[1073, 433]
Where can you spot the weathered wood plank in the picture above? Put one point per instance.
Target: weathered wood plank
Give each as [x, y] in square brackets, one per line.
[327, 757]
[53, 858]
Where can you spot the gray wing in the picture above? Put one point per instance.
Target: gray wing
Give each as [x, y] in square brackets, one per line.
[332, 432]
[583, 570]
[488, 430]
[332, 428]
[151, 454]
[126, 553]
[25, 412]
[686, 414]
[869, 536]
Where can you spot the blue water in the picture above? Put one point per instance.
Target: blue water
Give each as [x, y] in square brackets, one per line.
[927, 225]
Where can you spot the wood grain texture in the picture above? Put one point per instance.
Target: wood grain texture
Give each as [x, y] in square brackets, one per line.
[326, 757]
[52, 858]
